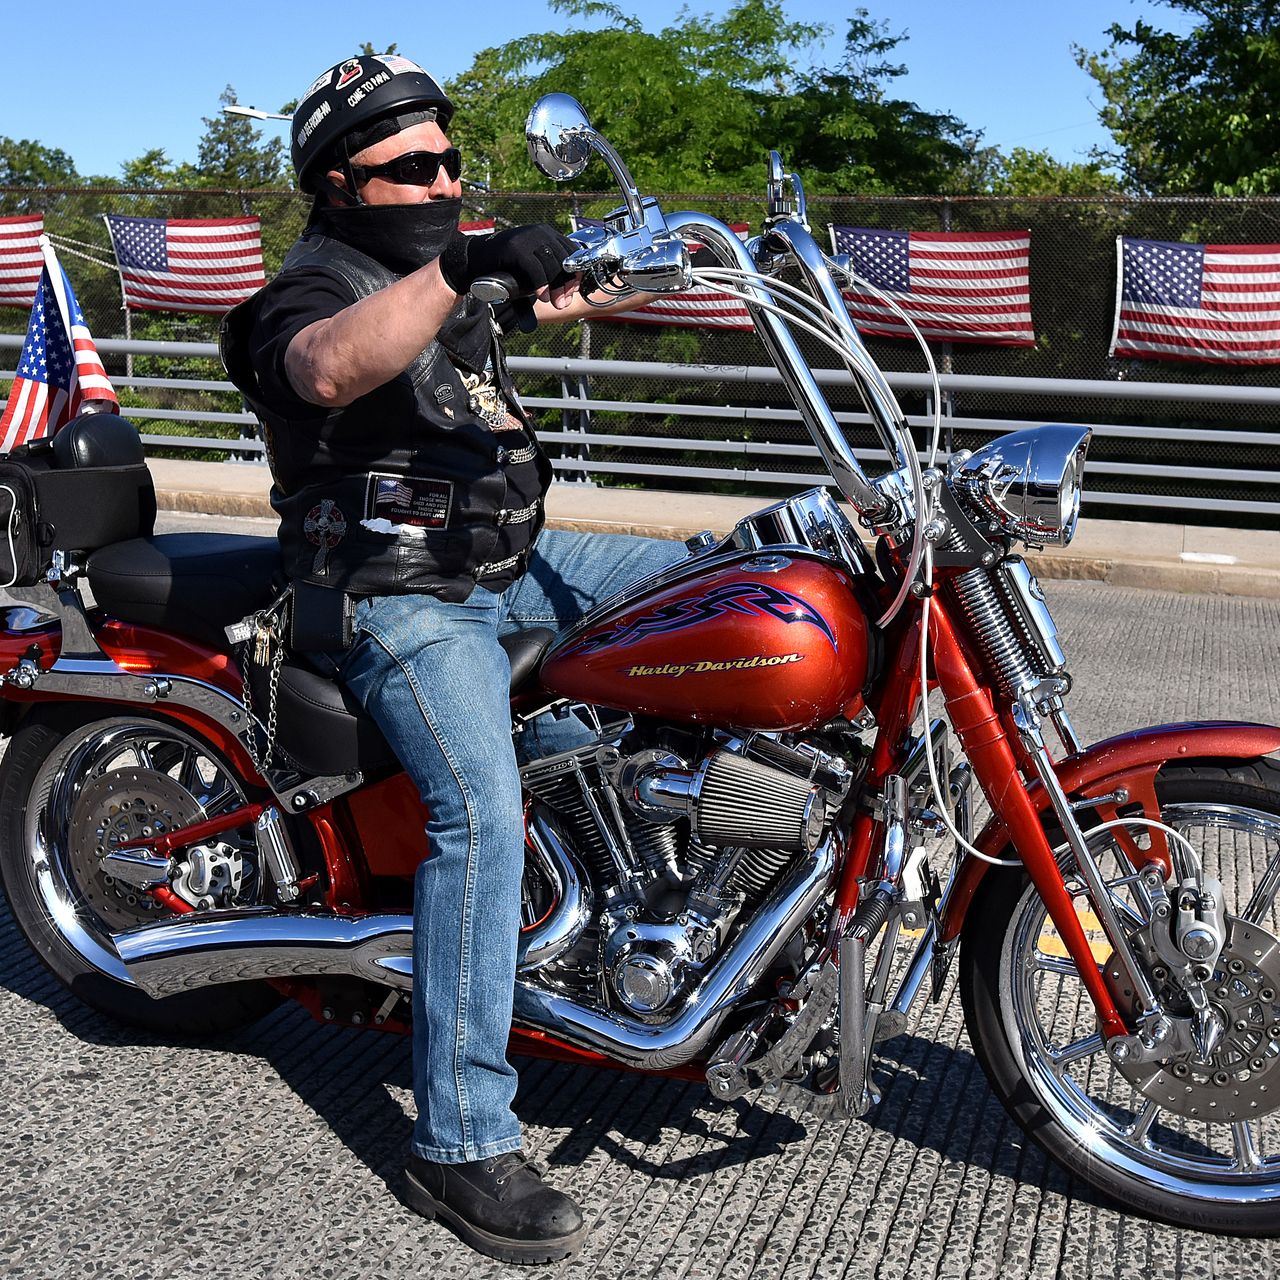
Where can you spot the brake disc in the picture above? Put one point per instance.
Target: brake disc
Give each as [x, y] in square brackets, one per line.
[1240, 1080]
[123, 806]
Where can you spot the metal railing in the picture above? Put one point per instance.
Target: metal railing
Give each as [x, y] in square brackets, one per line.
[593, 442]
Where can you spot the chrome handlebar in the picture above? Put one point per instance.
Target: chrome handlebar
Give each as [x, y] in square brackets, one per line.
[643, 249]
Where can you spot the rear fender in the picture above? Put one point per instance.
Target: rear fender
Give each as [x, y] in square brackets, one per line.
[1130, 763]
[205, 691]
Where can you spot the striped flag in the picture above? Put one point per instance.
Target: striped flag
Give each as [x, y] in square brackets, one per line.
[703, 306]
[186, 264]
[481, 227]
[58, 372]
[1204, 302]
[20, 260]
[958, 286]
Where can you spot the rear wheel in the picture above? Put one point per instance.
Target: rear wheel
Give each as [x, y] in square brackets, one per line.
[1194, 1140]
[76, 781]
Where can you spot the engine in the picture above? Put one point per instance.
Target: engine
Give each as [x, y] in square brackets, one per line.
[680, 833]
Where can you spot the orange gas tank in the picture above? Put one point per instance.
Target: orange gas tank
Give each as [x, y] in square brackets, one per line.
[764, 641]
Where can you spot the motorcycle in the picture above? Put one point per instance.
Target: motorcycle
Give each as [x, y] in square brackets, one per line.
[752, 863]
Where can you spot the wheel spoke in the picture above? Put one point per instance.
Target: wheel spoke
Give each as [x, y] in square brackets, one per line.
[188, 774]
[1062, 966]
[1248, 1157]
[1264, 893]
[1076, 1050]
[1142, 1122]
[143, 752]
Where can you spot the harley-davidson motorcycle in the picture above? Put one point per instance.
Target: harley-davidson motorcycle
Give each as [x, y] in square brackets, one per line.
[760, 851]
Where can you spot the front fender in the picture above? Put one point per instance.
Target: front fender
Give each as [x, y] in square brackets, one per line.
[1131, 761]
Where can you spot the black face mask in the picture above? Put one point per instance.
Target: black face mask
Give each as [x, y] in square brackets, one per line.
[402, 237]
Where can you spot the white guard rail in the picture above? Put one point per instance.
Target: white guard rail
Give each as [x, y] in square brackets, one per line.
[239, 435]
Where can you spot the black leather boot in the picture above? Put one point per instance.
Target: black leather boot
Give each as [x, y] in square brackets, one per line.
[499, 1206]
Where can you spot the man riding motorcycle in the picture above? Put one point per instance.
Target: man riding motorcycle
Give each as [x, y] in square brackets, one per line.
[410, 488]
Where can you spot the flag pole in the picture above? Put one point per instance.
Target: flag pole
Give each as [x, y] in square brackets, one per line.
[124, 302]
[54, 268]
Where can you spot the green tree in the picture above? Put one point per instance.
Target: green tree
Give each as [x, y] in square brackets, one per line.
[695, 106]
[841, 124]
[1198, 112]
[1037, 173]
[24, 163]
[234, 154]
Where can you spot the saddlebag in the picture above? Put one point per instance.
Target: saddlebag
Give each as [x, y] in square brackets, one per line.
[85, 488]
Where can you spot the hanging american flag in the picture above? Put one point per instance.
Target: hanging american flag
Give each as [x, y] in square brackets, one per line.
[703, 306]
[186, 264]
[481, 227]
[58, 371]
[20, 260]
[958, 286]
[1210, 302]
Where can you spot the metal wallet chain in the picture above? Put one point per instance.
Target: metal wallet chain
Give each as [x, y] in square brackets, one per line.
[264, 644]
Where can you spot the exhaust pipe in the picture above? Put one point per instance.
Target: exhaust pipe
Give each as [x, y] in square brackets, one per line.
[654, 1047]
[208, 948]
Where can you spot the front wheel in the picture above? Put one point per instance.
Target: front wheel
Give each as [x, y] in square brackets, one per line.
[76, 780]
[1197, 1141]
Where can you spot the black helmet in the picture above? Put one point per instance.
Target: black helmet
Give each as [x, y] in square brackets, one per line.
[362, 100]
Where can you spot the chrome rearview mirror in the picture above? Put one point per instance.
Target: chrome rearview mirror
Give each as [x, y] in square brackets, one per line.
[559, 136]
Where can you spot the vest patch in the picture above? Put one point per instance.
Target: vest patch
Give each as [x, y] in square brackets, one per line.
[413, 500]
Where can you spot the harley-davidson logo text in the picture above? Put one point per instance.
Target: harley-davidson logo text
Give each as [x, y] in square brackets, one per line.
[730, 664]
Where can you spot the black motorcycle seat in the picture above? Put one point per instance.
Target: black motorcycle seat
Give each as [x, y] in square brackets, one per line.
[196, 584]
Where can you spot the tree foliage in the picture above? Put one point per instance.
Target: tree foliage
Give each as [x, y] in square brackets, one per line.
[234, 154]
[24, 163]
[697, 105]
[1198, 112]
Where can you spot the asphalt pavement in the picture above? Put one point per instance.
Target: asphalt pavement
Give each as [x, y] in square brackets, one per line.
[276, 1151]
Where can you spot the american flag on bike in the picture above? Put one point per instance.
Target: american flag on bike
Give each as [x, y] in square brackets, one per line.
[957, 286]
[1203, 302]
[186, 264]
[703, 306]
[59, 370]
[20, 260]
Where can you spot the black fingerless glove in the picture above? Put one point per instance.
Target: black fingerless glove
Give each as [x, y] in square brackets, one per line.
[532, 257]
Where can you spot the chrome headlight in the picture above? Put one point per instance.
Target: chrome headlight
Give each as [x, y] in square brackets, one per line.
[1028, 482]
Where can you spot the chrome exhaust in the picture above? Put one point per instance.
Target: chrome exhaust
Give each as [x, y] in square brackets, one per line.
[653, 1047]
[208, 948]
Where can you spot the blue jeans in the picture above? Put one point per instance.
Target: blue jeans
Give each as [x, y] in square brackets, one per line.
[433, 677]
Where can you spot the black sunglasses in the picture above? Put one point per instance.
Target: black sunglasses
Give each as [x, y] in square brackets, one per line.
[413, 169]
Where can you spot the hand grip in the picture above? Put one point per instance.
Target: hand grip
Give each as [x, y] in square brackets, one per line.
[497, 287]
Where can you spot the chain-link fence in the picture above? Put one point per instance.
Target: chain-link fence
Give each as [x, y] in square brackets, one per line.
[1073, 283]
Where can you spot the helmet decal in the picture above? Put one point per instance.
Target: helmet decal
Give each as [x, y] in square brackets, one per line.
[398, 65]
[308, 126]
[319, 82]
[350, 70]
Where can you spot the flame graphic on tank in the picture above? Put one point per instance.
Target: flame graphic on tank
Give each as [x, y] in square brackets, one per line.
[749, 598]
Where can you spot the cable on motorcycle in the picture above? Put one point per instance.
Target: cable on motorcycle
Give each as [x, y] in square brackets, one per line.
[852, 358]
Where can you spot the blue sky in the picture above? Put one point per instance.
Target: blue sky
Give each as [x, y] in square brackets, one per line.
[140, 75]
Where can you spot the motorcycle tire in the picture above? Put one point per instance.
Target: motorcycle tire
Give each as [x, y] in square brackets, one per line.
[1193, 1145]
[73, 777]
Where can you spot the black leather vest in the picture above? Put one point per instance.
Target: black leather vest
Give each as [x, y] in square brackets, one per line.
[405, 489]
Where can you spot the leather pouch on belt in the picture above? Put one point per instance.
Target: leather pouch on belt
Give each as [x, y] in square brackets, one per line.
[320, 618]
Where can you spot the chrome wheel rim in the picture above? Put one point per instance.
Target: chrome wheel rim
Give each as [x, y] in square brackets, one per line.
[1054, 1034]
[107, 783]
